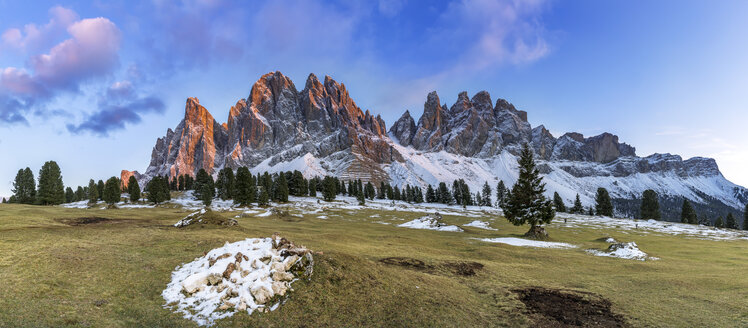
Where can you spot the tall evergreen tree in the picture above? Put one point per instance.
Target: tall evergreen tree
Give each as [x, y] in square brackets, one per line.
[24, 187]
[329, 187]
[527, 204]
[69, 195]
[80, 194]
[486, 195]
[112, 192]
[558, 202]
[225, 183]
[687, 214]
[396, 194]
[381, 190]
[361, 199]
[263, 199]
[730, 222]
[100, 189]
[500, 192]
[133, 189]
[204, 186]
[603, 205]
[430, 194]
[243, 186]
[578, 208]
[51, 189]
[719, 223]
[745, 218]
[313, 187]
[93, 192]
[369, 190]
[282, 195]
[445, 197]
[650, 209]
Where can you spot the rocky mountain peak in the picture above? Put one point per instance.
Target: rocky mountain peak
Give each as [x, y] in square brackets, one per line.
[404, 129]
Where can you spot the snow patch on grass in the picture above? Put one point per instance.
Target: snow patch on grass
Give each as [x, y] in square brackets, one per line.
[628, 251]
[527, 242]
[429, 223]
[479, 224]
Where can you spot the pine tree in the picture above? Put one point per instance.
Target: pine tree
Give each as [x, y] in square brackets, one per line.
[719, 223]
[69, 195]
[478, 198]
[430, 194]
[558, 203]
[263, 199]
[705, 221]
[24, 187]
[157, 190]
[419, 195]
[80, 194]
[180, 182]
[282, 194]
[396, 194]
[380, 191]
[578, 208]
[243, 186]
[443, 194]
[730, 222]
[603, 205]
[5, 201]
[361, 199]
[687, 214]
[313, 187]
[486, 194]
[112, 192]
[100, 189]
[51, 189]
[329, 189]
[650, 208]
[93, 192]
[500, 192]
[745, 218]
[225, 183]
[204, 186]
[133, 189]
[591, 211]
[527, 204]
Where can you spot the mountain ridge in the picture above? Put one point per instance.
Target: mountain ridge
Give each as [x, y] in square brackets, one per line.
[320, 130]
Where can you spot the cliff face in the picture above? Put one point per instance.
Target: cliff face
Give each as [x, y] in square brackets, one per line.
[320, 130]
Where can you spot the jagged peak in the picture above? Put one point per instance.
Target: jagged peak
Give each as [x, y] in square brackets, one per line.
[312, 82]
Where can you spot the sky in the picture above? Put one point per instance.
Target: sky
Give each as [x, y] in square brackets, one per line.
[92, 85]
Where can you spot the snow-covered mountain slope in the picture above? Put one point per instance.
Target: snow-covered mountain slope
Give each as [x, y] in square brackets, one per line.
[321, 131]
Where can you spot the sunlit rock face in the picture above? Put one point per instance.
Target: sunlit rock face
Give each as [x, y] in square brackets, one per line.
[277, 123]
[125, 178]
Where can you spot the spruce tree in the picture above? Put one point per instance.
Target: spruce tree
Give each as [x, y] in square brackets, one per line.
[527, 204]
[603, 205]
[380, 191]
[730, 222]
[745, 218]
[329, 188]
[578, 208]
[282, 194]
[24, 187]
[243, 186]
[419, 195]
[558, 203]
[591, 211]
[133, 189]
[51, 189]
[369, 190]
[396, 193]
[100, 189]
[478, 198]
[445, 197]
[225, 183]
[313, 187]
[112, 192]
[264, 198]
[80, 194]
[500, 192]
[69, 195]
[650, 207]
[204, 184]
[361, 199]
[486, 195]
[93, 192]
[687, 214]
[430, 194]
[719, 223]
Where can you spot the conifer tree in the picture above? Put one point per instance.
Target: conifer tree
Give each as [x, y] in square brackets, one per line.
[112, 192]
[500, 192]
[69, 195]
[361, 199]
[578, 208]
[133, 189]
[687, 214]
[719, 223]
[329, 187]
[650, 208]
[430, 194]
[527, 204]
[5, 201]
[100, 189]
[705, 221]
[396, 193]
[369, 190]
[225, 183]
[419, 195]
[264, 198]
[93, 192]
[558, 203]
[486, 195]
[745, 218]
[591, 211]
[80, 194]
[478, 198]
[243, 186]
[730, 222]
[282, 188]
[603, 205]
[313, 187]
[51, 189]
[380, 191]
[24, 187]
[204, 186]
[180, 182]
[445, 197]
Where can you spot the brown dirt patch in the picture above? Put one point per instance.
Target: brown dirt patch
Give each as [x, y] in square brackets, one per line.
[87, 220]
[406, 262]
[560, 308]
[464, 268]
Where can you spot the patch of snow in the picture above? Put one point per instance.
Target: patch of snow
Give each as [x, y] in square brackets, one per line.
[527, 242]
[267, 213]
[628, 251]
[479, 224]
[429, 223]
[80, 204]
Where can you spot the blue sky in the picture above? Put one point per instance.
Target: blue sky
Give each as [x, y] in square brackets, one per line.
[93, 84]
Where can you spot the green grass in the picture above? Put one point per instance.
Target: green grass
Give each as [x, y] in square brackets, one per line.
[112, 274]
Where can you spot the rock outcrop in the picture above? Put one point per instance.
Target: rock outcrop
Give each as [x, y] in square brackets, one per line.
[125, 178]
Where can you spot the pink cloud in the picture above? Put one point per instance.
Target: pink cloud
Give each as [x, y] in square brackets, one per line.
[34, 38]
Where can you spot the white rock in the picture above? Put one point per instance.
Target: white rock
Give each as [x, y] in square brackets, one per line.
[195, 281]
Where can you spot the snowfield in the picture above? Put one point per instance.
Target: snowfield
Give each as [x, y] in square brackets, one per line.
[527, 242]
[479, 224]
[628, 251]
[248, 275]
[429, 223]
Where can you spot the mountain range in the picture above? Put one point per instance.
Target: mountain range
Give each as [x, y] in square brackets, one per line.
[321, 131]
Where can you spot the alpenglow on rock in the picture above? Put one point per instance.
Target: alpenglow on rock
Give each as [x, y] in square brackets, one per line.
[321, 131]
